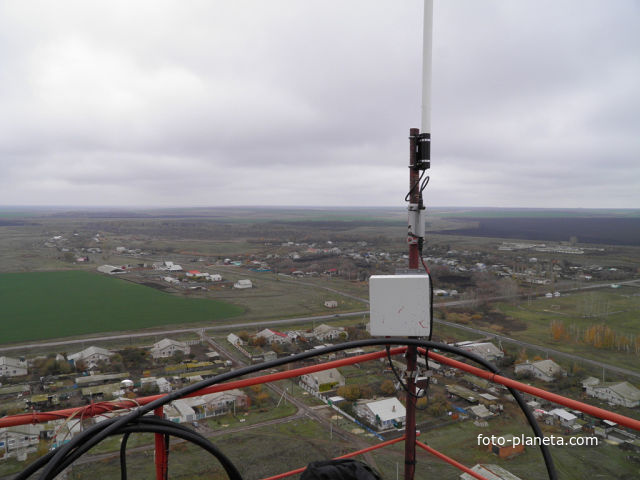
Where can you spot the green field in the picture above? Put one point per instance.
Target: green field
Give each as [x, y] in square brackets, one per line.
[43, 305]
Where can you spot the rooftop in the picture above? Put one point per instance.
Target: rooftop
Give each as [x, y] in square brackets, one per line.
[387, 409]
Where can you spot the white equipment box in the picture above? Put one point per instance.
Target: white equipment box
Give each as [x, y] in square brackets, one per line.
[400, 305]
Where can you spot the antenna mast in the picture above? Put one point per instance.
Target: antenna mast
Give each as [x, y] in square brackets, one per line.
[420, 149]
[419, 162]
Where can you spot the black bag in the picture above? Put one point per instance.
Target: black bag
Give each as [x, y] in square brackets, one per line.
[346, 469]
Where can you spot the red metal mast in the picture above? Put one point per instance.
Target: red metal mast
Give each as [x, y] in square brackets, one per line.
[411, 354]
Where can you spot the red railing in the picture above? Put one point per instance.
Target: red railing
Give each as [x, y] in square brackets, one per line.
[100, 408]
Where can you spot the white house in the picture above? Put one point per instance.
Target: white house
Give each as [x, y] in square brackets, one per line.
[167, 266]
[319, 382]
[331, 304]
[18, 440]
[110, 269]
[168, 347]
[326, 332]
[12, 367]
[91, 356]
[163, 385]
[218, 403]
[383, 414]
[546, 370]
[235, 340]
[618, 393]
[486, 350]
[272, 336]
[589, 381]
[180, 411]
[480, 412]
[209, 405]
[172, 267]
[294, 335]
[564, 418]
[244, 283]
[490, 472]
[269, 356]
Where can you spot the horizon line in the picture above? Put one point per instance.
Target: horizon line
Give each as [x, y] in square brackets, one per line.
[297, 207]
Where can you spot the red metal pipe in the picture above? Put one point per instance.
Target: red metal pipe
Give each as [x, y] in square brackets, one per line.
[538, 392]
[161, 453]
[348, 455]
[450, 460]
[104, 407]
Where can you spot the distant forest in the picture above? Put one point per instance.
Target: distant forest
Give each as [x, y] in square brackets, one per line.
[595, 230]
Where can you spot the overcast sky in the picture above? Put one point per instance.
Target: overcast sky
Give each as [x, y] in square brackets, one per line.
[206, 103]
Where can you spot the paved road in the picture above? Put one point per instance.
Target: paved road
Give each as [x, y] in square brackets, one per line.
[262, 323]
[225, 327]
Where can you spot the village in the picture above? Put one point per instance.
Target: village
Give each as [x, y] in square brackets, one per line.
[364, 399]
[366, 396]
[499, 268]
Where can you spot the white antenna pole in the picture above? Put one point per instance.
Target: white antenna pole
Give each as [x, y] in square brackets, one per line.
[427, 48]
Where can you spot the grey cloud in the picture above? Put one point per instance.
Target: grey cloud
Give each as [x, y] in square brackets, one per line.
[190, 104]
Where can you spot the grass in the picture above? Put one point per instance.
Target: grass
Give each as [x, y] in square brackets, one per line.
[622, 307]
[47, 305]
[274, 296]
[364, 374]
[459, 441]
[278, 448]
[255, 415]
[257, 453]
[11, 466]
[112, 444]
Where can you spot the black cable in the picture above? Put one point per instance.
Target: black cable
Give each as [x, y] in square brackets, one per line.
[404, 386]
[425, 182]
[397, 375]
[91, 437]
[423, 185]
[148, 425]
[123, 456]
